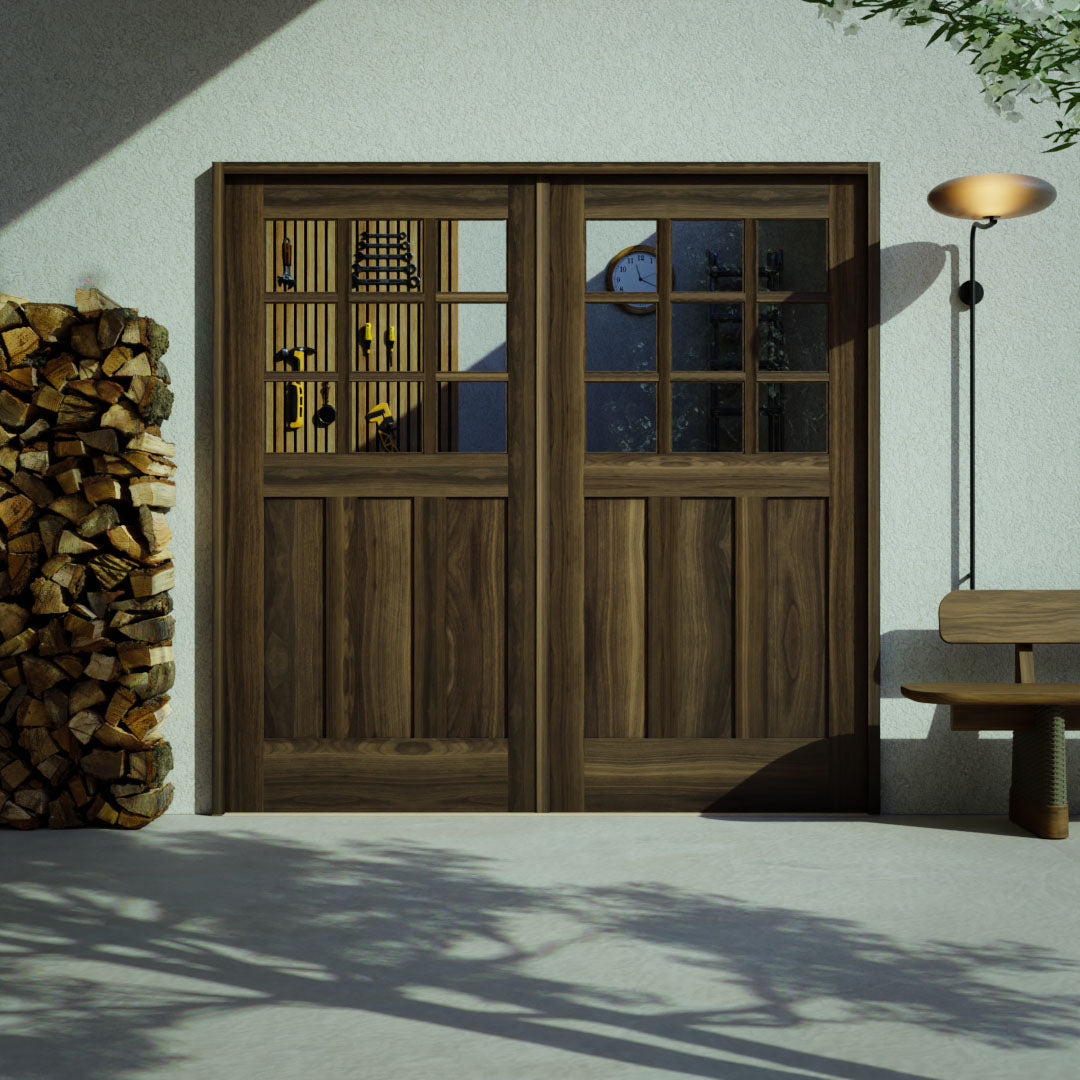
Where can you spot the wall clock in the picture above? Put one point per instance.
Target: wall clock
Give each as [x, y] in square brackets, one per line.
[633, 270]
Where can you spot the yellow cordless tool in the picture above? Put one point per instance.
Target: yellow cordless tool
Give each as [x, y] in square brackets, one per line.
[385, 426]
[294, 391]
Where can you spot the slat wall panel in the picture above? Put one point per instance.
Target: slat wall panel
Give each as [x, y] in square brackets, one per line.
[475, 625]
[796, 630]
[614, 618]
[378, 587]
[704, 613]
[293, 618]
[388, 775]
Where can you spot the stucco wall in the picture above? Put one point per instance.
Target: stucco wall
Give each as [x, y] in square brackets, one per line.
[110, 126]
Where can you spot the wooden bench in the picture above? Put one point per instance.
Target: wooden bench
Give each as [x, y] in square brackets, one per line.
[1037, 713]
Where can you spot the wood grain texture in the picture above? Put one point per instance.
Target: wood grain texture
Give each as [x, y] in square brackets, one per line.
[474, 627]
[1047, 822]
[751, 595]
[993, 693]
[521, 496]
[405, 476]
[529, 169]
[220, 763]
[1005, 717]
[705, 619]
[394, 775]
[710, 201]
[664, 618]
[564, 484]
[293, 619]
[706, 775]
[377, 551]
[338, 199]
[429, 616]
[336, 631]
[542, 272]
[872, 408]
[796, 628]
[615, 475]
[1010, 616]
[615, 618]
[238, 539]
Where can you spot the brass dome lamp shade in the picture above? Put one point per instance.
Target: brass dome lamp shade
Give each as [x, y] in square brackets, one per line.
[985, 198]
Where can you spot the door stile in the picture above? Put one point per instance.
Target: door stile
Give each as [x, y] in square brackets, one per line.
[847, 764]
[239, 649]
[564, 480]
[662, 628]
[345, 342]
[339, 710]
[521, 540]
[751, 644]
[429, 617]
[542, 276]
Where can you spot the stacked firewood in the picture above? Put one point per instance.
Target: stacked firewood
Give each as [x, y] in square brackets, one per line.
[85, 568]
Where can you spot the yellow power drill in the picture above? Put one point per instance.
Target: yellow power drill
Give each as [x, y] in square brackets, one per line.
[294, 391]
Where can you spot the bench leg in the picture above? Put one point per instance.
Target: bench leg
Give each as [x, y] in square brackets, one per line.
[1037, 799]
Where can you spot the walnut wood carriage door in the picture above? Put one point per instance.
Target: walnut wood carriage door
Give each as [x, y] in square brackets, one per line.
[526, 542]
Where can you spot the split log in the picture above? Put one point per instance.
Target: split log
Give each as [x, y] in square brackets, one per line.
[152, 492]
[51, 322]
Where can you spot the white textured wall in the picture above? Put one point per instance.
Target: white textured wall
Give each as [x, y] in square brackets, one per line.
[119, 196]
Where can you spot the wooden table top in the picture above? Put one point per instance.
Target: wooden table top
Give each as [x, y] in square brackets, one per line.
[993, 693]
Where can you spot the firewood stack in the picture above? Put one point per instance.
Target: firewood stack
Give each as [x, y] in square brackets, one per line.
[85, 478]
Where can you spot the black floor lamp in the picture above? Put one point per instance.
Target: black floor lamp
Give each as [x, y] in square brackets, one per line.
[985, 197]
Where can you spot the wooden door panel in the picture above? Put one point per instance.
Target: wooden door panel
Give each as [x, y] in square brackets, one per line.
[474, 671]
[338, 775]
[796, 634]
[377, 559]
[704, 618]
[293, 615]
[614, 618]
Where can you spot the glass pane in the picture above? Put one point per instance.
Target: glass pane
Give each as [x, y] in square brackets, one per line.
[607, 248]
[300, 417]
[706, 417]
[706, 337]
[791, 256]
[387, 417]
[386, 255]
[793, 416]
[300, 255]
[472, 337]
[472, 417]
[300, 337]
[387, 337]
[793, 337]
[619, 340]
[472, 256]
[707, 255]
[620, 417]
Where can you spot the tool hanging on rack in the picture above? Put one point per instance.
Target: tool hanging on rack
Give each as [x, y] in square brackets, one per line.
[294, 391]
[384, 260]
[385, 426]
[366, 337]
[285, 278]
[326, 414]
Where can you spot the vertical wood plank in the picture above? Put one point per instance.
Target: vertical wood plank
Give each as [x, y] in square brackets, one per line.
[542, 273]
[474, 629]
[663, 336]
[750, 336]
[338, 711]
[796, 625]
[343, 347]
[220, 767]
[847, 353]
[664, 617]
[521, 489]
[750, 649]
[429, 617]
[872, 578]
[564, 479]
[293, 618]
[377, 605]
[703, 603]
[239, 524]
[614, 618]
[429, 280]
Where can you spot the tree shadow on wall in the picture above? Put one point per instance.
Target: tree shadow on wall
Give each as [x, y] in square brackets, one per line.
[91, 78]
[102, 953]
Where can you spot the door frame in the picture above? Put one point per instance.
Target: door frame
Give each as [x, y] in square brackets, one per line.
[237, 475]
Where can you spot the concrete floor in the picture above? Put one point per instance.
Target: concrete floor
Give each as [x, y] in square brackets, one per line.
[536, 947]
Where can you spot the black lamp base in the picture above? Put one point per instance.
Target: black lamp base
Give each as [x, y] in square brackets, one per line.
[965, 290]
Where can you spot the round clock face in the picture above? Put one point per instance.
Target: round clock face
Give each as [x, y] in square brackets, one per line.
[634, 270]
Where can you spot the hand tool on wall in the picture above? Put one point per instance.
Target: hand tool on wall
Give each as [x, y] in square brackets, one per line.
[384, 260]
[391, 341]
[326, 414]
[385, 426]
[294, 391]
[366, 339]
[285, 278]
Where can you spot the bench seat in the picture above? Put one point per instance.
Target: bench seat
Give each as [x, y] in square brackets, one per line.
[993, 693]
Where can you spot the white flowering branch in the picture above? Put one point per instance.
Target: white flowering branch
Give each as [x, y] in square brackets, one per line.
[1019, 48]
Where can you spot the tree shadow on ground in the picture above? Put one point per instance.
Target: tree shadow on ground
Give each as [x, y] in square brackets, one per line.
[102, 954]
